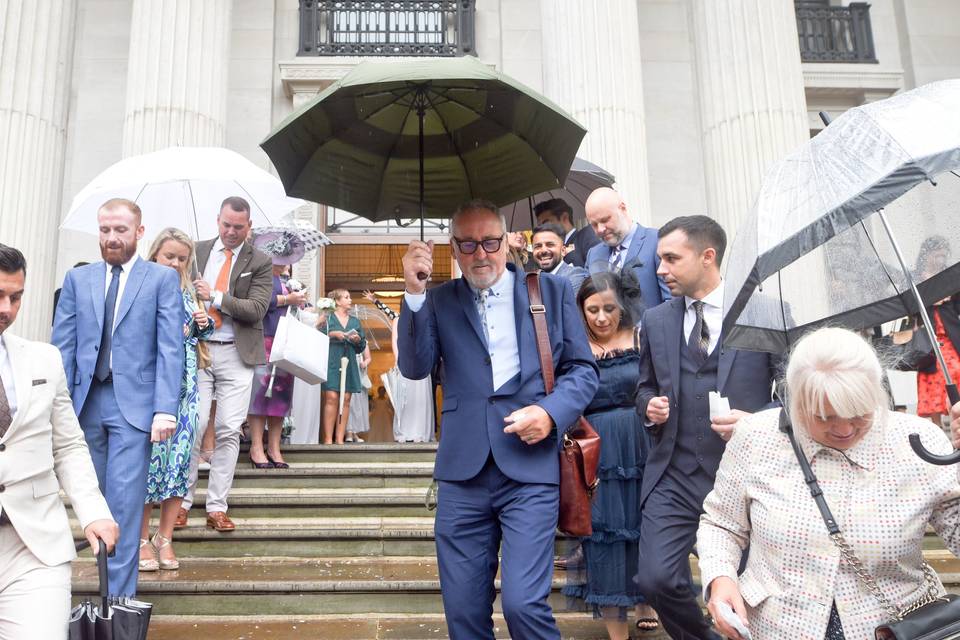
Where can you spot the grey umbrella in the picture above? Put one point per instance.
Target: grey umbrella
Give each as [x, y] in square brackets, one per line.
[583, 178]
[840, 226]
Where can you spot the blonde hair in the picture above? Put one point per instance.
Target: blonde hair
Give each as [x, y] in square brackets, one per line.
[172, 233]
[838, 367]
[336, 294]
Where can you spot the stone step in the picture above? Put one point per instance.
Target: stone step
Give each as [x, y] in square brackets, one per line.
[299, 586]
[323, 474]
[353, 627]
[307, 502]
[356, 452]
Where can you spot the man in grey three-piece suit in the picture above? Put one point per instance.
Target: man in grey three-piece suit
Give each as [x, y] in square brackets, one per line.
[682, 361]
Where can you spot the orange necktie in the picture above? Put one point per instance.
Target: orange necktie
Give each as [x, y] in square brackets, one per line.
[223, 281]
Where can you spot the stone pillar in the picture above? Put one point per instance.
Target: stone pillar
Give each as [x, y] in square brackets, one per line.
[177, 78]
[752, 106]
[591, 68]
[36, 60]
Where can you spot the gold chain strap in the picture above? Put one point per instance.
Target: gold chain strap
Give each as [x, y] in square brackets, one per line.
[932, 594]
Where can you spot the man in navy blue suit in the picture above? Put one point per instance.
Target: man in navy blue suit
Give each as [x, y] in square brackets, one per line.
[682, 360]
[119, 328]
[497, 465]
[624, 244]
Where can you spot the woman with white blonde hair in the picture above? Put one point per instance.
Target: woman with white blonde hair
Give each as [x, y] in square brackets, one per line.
[882, 496]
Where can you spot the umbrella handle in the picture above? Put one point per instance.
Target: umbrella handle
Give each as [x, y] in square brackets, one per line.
[933, 458]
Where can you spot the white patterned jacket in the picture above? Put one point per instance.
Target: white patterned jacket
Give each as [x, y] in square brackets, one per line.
[882, 495]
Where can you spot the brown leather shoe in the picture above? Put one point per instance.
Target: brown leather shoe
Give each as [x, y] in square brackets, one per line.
[220, 521]
[181, 520]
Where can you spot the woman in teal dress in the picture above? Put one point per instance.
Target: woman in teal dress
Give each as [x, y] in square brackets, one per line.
[346, 341]
[170, 460]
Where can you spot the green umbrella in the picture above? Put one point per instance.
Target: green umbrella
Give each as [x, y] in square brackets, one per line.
[415, 138]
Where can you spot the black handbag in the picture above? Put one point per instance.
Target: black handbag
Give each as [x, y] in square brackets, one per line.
[934, 617]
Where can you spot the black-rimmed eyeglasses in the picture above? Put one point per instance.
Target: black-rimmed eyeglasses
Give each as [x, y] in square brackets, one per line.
[469, 247]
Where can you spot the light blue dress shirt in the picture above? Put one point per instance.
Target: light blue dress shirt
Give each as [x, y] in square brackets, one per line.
[501, 326]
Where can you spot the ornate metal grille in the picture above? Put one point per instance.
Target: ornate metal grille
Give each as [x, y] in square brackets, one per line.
[835, 34]
[386, 27]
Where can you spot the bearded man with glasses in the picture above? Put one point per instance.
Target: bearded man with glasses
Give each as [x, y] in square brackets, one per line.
[497, 465]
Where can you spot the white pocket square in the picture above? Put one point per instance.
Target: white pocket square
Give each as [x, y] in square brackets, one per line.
[244, 275]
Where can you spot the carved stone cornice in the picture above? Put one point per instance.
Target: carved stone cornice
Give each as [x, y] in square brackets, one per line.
[858, 82]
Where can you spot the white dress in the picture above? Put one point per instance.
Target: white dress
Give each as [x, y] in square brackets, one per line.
[305, 408]
[413, 407]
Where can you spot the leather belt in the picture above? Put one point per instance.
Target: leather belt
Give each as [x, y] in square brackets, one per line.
[220, 341]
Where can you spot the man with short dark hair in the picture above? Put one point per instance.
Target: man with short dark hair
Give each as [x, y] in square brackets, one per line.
[682, 361]
[119, 328]
[497, 465]
[624, 244]
[576, 241]
[548, 250]
[43, 451]
[236, 282]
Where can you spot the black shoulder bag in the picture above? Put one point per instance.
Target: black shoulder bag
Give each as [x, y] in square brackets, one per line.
[933, 617]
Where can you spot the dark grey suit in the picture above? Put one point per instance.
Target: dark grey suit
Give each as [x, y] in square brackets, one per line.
[683, 460]
[580, 242]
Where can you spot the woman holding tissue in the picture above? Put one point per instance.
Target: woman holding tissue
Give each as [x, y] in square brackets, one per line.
[346, 341]
[611, 553]
[796, 583]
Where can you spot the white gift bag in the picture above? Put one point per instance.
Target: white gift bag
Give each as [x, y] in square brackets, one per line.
[300, 349]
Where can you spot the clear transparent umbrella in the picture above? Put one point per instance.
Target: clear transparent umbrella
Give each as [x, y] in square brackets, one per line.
[842, 229]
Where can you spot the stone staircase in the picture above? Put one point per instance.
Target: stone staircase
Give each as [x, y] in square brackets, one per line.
[338, 546]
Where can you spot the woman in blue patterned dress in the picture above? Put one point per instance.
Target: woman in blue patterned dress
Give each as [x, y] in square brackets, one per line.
[170, 460]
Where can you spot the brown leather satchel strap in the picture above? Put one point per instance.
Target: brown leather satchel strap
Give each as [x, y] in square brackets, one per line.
[539, 313]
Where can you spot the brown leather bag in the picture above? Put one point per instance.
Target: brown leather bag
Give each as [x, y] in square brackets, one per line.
[580, 455]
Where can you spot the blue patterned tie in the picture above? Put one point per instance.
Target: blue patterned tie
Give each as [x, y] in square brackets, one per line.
[618, 258]
[482, 296]
[106, 336]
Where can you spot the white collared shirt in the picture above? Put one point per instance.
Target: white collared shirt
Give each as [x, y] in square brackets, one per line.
[210, 273]
[504, 348]
[6, 373]
[712, 315]
[124, 274]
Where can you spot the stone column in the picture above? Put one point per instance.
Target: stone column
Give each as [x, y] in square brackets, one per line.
[591, 68]
[36, 60]
[177, 78]
[752, 106]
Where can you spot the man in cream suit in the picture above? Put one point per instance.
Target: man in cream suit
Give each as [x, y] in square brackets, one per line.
[236, 282]
[42, 450]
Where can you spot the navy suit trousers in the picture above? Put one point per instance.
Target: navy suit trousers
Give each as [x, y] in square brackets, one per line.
[477, 518]
[668, 532]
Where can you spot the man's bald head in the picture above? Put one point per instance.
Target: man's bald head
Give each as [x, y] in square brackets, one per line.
[607, 214]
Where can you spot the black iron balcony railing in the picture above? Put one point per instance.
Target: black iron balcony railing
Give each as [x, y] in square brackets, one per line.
[835, 34]
[386, 28]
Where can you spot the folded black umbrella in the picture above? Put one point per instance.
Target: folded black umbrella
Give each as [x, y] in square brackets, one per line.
[108, 619]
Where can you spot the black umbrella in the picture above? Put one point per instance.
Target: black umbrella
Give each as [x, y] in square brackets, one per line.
[583, 178]
[841, 223]
[108, 619]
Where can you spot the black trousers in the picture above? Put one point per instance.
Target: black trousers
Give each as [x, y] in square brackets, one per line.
[668, 533]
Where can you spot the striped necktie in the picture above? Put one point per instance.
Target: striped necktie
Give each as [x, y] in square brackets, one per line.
[618, 254]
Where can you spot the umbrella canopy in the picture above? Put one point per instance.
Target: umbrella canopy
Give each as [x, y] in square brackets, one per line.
[583, 178]
[392, 136]
[813, 252]
[182, 187]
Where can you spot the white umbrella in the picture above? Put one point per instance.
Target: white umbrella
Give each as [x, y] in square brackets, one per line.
[182, 187]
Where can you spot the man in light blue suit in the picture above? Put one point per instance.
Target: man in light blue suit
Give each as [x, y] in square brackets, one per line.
[497, 465]
[119, 329]
[624, 244]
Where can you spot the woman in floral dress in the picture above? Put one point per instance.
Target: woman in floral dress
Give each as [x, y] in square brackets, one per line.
[170, 460]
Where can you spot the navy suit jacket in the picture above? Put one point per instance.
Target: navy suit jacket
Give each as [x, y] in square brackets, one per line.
[642, 259]
[582, 240]
[448, 328]
[745, 378]
[148, 349]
